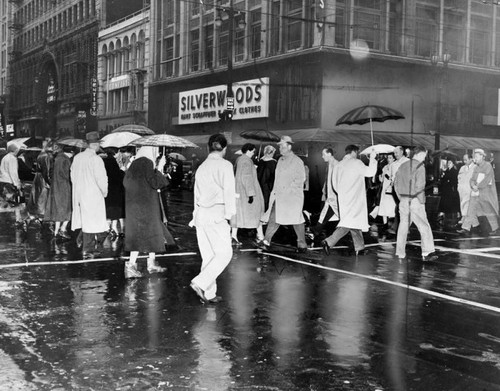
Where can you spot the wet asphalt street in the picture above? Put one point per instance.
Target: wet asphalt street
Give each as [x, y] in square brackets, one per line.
[288, 321]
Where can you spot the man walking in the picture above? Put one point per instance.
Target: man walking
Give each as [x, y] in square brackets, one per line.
[348, 180]
[287, 198]
[464, 189]
[483, 200]
[409, 185]
[399, 155]
[214, 205]
[90, 188]
[330, 211]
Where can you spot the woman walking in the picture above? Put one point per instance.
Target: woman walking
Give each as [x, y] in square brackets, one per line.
[249, 199]
[143, 226]
[115, 201]
[265, 173]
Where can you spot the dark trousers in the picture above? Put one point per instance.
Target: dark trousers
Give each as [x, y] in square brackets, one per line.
[340, 232]
[93, 242]
[272, 227]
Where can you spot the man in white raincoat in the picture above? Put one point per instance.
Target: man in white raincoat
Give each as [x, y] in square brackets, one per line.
[287, 198]
[90, 188]
[348, 180]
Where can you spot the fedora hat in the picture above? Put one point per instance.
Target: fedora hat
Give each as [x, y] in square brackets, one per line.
[92, 137]
[480, 151]
[285, 140]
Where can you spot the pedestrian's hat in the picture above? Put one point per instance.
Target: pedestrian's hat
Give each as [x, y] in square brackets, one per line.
[285, 140]
[92, 137]
[480, 151]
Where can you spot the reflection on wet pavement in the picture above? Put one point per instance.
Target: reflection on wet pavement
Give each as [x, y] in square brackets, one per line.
[283, 325]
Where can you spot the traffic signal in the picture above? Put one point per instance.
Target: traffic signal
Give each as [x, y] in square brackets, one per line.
[226, 115]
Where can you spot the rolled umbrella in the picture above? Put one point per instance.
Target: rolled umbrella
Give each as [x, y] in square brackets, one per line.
[370, 113]
[134, 128]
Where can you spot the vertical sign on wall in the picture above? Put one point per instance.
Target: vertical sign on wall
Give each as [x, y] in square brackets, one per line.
[93, 92]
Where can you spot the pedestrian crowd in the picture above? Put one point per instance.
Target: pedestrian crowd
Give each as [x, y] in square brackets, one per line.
[118, 193]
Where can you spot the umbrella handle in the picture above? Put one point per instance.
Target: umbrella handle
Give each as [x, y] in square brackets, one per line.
[371, 130]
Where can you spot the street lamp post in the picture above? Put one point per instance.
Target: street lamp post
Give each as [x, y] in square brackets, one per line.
[436, 61]
[227, 113]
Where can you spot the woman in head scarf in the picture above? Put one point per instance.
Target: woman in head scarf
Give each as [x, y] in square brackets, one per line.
[265, 173]
[143, 225]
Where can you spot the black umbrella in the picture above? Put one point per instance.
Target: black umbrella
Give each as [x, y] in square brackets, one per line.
[371, 113]
[260, 135]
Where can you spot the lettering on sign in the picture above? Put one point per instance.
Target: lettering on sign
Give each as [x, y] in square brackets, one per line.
[250, 100]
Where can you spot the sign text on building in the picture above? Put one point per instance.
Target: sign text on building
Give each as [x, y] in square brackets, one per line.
[251, 100]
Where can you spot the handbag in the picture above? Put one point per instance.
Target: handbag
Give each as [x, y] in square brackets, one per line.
[169, 239]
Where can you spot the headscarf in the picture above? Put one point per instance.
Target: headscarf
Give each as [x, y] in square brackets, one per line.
[148, 152]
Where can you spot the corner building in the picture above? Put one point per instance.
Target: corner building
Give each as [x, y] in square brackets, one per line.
[52, 84]
[435, 61]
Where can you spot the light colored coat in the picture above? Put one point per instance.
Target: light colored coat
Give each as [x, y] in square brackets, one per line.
[247, 185]
[90, 187]
[464, 189]
[349, 183]
[329, 195]
[288, 191]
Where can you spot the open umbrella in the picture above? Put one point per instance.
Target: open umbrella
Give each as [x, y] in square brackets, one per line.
[379, 148]
[21, 142]
[134, 128]
[371, 113]
[118, 140]
[177, 156]
[73, 142]
[260, 135]
[164, 140]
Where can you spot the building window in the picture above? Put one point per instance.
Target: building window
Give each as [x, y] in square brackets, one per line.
[256, 31]
[367, 28]
[426, 34]
[195, 50]
[293, 25]
[480, 40]
[239, 39]
[223, 43]
[167, 58]
[209, 47]
[454, 30]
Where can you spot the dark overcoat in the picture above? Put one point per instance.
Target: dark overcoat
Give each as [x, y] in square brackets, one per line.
[450, 200]
[143, 225]
[38, 199]
[59, 204]
[265, 175]
[115, 200]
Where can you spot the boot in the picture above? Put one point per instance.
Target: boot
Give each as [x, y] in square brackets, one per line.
[154, 268]
[131, 270]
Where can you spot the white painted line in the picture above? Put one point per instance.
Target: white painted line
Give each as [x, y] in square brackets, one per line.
[27, 264]
[410, 287]
[487, 249]
[468, 252]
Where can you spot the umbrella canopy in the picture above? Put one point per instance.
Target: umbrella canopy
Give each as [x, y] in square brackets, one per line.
[164, 140]
[446, 154]
[21, 142]
[260, 135]
[118, 140]
[371, 113]
[177, 156]
[379, 148]
[133, 128]
[73, 142]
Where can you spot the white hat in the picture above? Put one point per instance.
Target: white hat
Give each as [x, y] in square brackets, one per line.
[285, 140]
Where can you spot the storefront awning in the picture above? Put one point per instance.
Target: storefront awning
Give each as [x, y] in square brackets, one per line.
[363, 139]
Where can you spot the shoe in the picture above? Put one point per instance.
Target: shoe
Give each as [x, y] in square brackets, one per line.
[494, 233]
[199, 292]
[463, 231]
[235, 241]
[361, 252]
[112, 234]
[63, 235]
[215, 300]
[326, 247]
[88, 255]
[154, 268]
[391, 231]
[131, 270]
[262, 244]
[301, 250]
[430, 257]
